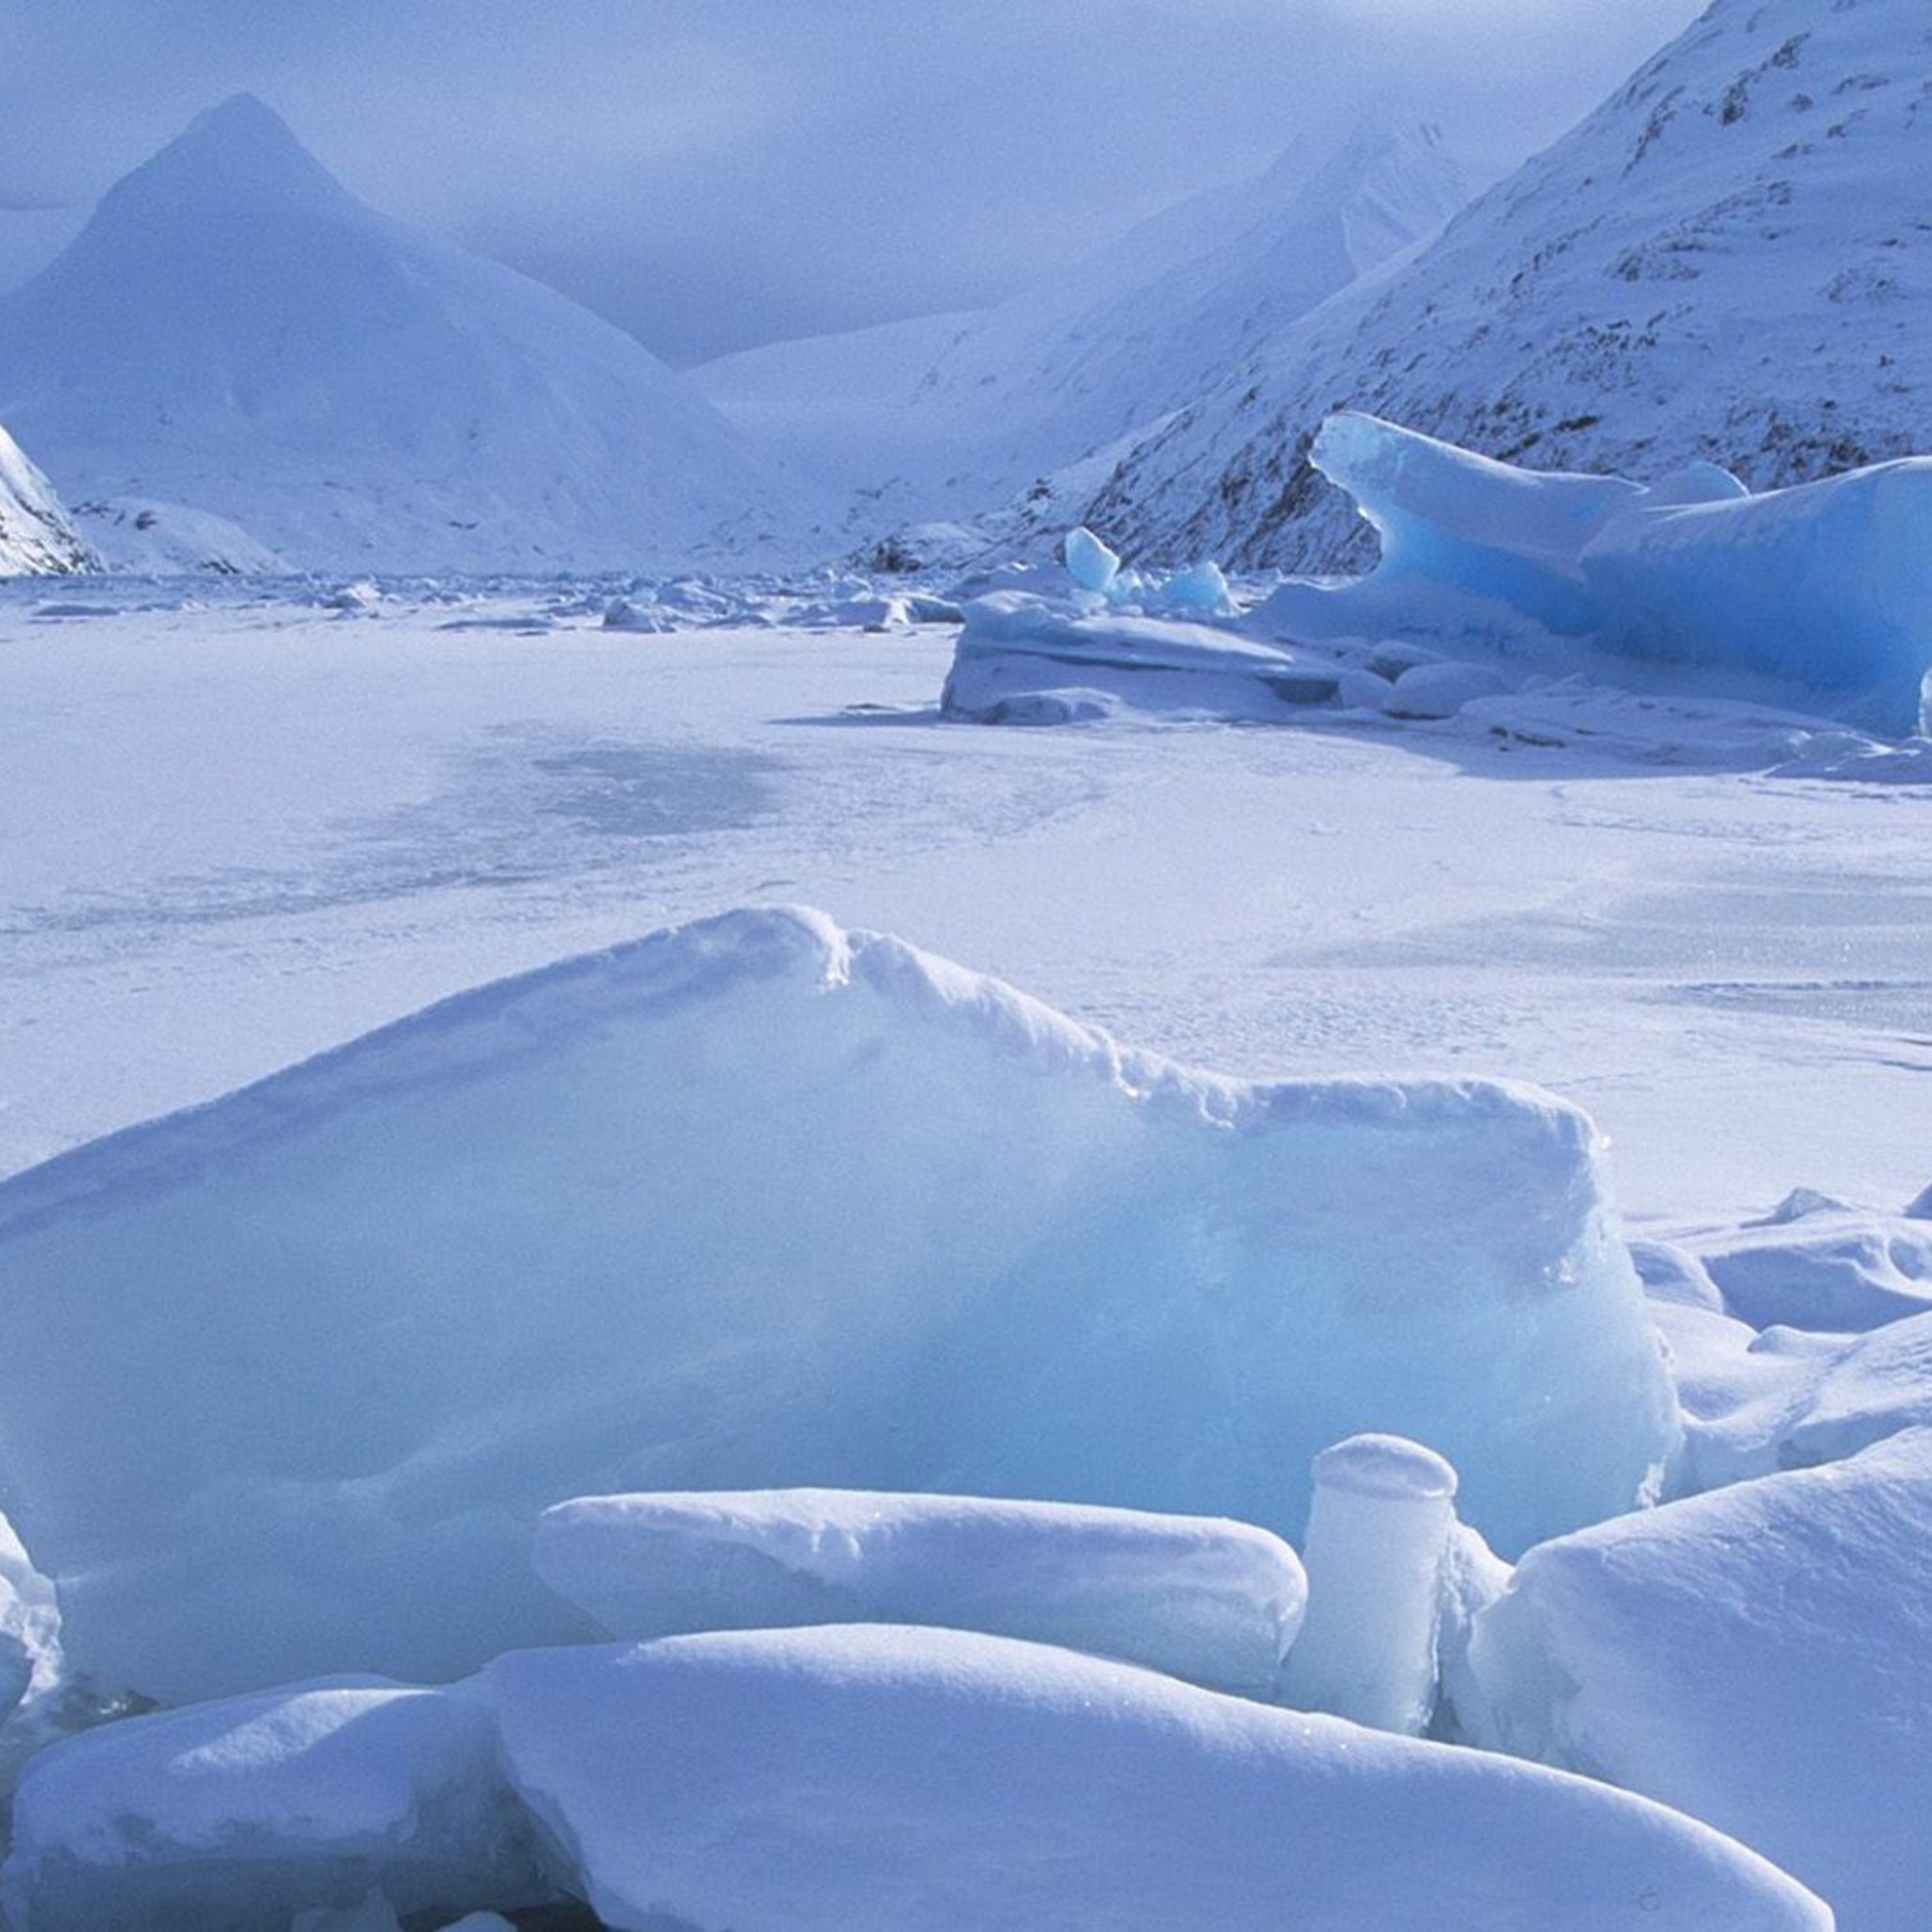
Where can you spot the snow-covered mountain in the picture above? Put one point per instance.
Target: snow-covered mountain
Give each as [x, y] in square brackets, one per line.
[37, 537]
[951, 414]
[1731, 259]
[234, 331]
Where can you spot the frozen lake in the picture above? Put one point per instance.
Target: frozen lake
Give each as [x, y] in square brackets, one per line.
[236, 834]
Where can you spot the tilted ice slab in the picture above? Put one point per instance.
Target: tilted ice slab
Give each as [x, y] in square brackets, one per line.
[757, 1203]
[1217, 1603]
[233, 1816]
[871, 1779]
[1756, 1656]
[1824, 589]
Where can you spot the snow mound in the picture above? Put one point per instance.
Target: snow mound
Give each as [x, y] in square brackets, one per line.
[1729, 263]
[1757, 1658]
[233, 1816]
[1836, 1270]
[37, 536]
[872, 1779]
[1826, 589]
[233, 331]
[1216, 1603]
[748, 1203]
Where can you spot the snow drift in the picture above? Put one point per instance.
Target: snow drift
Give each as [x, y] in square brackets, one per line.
[1757, 1658]
[1216, 1603]
[869, 1780]
[235, 332]
[755, 1203]
[233, 1816]
[1730, 260]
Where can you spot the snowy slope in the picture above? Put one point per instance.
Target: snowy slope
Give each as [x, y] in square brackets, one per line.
[1731, 259]
[235, 332]
[1099, 349]
[37, 537]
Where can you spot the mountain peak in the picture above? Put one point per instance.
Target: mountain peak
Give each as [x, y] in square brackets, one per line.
[239, 154]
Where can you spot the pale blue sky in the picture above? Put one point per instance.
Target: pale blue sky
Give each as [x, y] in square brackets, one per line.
[715, 172]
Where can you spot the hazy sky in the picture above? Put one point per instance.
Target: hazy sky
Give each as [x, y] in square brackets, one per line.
[712, 173]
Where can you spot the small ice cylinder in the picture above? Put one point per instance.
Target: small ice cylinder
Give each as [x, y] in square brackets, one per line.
[1378, 1532]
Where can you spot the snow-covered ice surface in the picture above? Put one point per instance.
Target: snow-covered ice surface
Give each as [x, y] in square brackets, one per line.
[287, 812]
[870, 1779]
[1756, 1656]
[1728, 261]
[295, 1372]
[1214, 1602]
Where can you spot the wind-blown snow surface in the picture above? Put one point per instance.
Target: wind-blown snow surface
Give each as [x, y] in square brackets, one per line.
[233, 331]
[755, 1203]
[963, 411]
[1730, 260]
[37, 537]
[1214, 1602]
[869, 1780]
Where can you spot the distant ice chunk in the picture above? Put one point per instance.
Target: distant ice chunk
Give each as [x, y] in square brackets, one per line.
[1089, 562]
[1757, 1658]
[872, 1779]
[1020, 654]
[1379, 1543]
[1217, 1603]
[293, 1376]
[1824, 590]
[232, 1816]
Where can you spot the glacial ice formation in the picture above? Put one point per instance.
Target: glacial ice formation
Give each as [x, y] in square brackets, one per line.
[869, 1779]
[1214, 1602]
[1824, 589]
[751, 1203]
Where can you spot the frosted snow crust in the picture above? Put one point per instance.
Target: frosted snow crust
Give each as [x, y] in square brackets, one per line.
[1214, 1602]
[293, 1375]
[872, 1779]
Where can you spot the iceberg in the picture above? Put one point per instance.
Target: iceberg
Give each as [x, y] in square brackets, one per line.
[1756, 1656]
[1216, 1603]
[871, 1779]
[758, 1203]
[1824, 589]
